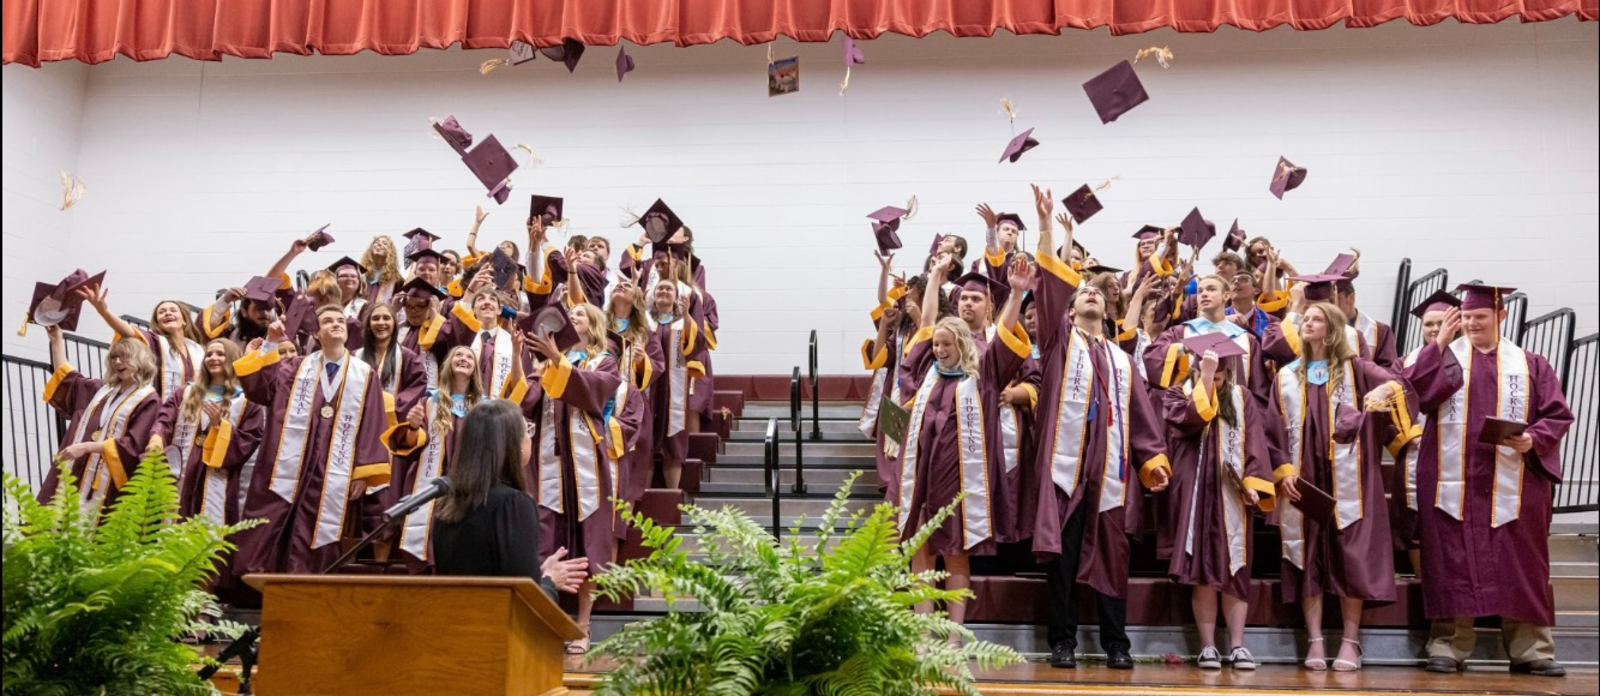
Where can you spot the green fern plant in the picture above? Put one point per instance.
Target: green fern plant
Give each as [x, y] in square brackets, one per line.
[99, 606]
[831, 615]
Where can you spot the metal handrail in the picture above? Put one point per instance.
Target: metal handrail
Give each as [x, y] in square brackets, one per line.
[1581, 447]
[34, 429]
[1408, 329]
[794, 426]
[1402, 283]
[771, 474]
[816, 426]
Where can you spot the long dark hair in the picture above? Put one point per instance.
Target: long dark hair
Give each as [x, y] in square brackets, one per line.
[490, 453]
[370, 356]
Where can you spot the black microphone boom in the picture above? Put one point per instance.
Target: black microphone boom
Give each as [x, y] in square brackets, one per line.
[435, 489]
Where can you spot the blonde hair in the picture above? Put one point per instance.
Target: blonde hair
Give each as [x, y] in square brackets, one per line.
[387, 271]
[964, 347]
[443, 420]
[195, 393]
[594, 340]
[638, 317]
[137, 353]
[1337, 342]
[324, 288]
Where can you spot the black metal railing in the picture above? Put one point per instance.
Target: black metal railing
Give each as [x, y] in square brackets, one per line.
[1551, 336]
[1402, 281]
[1407, 328]
[772, 475]
[795, 426]
[86, 354]
[816, 426]
[1516, 305]
[1581, 448]
[33, 429]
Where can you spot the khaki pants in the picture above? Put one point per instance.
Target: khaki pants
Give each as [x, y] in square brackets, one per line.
[1524, 642]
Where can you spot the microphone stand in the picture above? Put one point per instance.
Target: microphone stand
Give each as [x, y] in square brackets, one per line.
[245, 648]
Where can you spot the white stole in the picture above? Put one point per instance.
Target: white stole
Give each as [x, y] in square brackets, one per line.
[173, 376]
[1230, 447]
[430, 362]
[1408, 457]
[1367, 327]
[971, 457]
[1072, 419]
[585, 444]
[418, 526]
[677, 379]
[294, 437]
[1512, 369]
[213, 481]
[112, 423]
[1345, 464]
[503, 353]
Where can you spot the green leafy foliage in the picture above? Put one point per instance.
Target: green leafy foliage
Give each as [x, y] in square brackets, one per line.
[830, 617]
[99, 606]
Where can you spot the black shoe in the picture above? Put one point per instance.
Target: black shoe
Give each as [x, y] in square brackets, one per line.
[1540, 668]
[1118, 658]
[1061, 656]
[1443, 665]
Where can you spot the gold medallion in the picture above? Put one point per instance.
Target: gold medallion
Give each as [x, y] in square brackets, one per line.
[327, 411]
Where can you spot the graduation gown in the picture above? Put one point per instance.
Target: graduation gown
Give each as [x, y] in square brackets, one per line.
[120, 420]
[938, 472]
[1482, 562]
[571, 470]
[176, 362]
[207, 457]
[1016, 502]
[673, 390]
[1104, 553]
[433, 339]
[1379, 339]
[637, 415]
[1209, 540]
[1355, 559]
[308, 461]
[421, 454]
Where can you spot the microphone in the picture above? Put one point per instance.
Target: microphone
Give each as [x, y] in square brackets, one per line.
[435, 489]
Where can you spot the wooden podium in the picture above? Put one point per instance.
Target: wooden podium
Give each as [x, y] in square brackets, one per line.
[340, 635]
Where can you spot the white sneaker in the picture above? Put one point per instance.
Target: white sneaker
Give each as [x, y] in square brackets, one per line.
[1209, 659]
[1242, 659]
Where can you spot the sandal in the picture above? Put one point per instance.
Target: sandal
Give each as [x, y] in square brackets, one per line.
[1345, 665]
[1319, 664]
[581, 645]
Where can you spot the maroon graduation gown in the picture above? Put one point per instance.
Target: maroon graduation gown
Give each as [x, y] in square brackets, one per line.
[1104, 554]
[676, 446]
[70, 392]
[585, 391]
[1472, 568]
[637, 468]
[1015, 501]
[1196, 492]
[1357, 561]
[243, 441]
[283, 544]
[403, 481]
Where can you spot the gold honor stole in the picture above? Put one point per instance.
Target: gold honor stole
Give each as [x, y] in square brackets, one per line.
[503, 354]
[585, 441]
[293, 438]
[1072, 420]
[214, 481]
[97, 476]
[173, 376]
[1346, 459]
[1512, 404]
[975, 512]
[1230, 452]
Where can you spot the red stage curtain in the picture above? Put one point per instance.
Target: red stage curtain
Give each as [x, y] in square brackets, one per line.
[93, 31]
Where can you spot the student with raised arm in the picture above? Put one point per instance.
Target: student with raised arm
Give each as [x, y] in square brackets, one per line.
[173, 338]
[109, 421]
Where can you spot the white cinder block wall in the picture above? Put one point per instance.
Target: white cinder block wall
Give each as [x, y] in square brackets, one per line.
[1473, 148]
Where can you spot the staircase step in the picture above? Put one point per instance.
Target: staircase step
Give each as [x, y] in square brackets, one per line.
[1574, 548]
[760, 509]
[786, 459]
[830, 428]
[842, 411]
[824, 479]
[758, 489]
[864, 449]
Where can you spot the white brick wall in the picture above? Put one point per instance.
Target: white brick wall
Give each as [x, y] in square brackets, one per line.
[1469, 147]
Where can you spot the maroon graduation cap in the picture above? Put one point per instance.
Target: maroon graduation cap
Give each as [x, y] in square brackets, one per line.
[852, 53]
[1082, 204]
[550, 206]
[418, 239]
[885, 225]
[1195, 230]
[452, 132]
[59, 304]
[1439, 301]
[420, 288]
[1347, 424]
[319, 239]
[1286, 177]
[1012, 218]
[347, 261]
[263, 290]
[981, 282]
[492, 164]
[1018, 145]
[1480, 296]
[1115, 91]
[552, 321]
[1147, 233]
[1235, 238]
[659, 222]
[522, 52]
[1319, 286]
[624, 61]
[568, 53]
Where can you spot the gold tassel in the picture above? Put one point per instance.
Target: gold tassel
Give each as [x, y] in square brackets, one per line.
[72, 189]
[1163, 55]
[845, 83]
[533, 159]
[629, 218]
[489, 65]
[911, 209]
[1006, 108]
[23, 330]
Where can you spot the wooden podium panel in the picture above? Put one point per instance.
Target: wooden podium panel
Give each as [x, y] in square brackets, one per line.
[340, 635]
